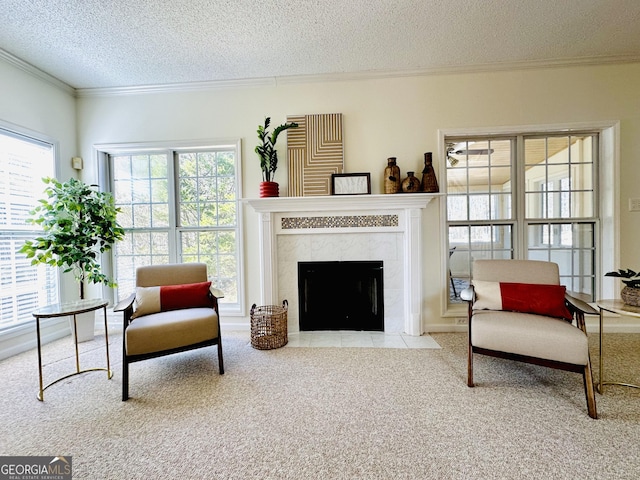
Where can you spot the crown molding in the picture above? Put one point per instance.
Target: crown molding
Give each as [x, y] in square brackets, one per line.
[301, 79]
[345, 77]
[176, 87]
[461, 69]
[36, 72]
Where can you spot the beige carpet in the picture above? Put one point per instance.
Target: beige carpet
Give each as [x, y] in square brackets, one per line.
[323, 413]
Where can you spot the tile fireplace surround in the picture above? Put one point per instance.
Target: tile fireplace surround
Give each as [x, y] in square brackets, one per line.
[340, 228]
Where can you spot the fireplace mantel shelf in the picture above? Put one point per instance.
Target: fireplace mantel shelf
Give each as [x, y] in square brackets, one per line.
[341, 202]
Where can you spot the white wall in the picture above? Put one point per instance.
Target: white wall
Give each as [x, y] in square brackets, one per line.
[386, 117]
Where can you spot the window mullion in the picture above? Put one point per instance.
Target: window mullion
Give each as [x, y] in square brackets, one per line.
[174, 205]
[519, 198]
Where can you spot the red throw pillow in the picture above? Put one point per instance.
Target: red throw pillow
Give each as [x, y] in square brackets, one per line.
[533, 298]
[522, 297]
[190, 295]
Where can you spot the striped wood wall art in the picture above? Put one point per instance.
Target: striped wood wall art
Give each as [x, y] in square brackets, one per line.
[315, 150]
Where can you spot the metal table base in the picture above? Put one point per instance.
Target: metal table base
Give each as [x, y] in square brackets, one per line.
[64, 310]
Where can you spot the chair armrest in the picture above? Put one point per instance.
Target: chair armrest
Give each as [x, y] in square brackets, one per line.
[125, 304]
[216, 292]
[468, 294]
[579, 305]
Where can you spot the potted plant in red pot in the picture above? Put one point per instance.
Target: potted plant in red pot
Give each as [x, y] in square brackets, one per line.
[269, 156]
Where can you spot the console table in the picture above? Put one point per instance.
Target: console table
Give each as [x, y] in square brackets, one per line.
[620, 308]
[65, 310]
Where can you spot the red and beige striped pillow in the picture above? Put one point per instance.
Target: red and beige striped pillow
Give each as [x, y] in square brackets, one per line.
[522, 297]
[171, 297]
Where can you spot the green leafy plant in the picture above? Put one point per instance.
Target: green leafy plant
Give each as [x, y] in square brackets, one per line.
[633, 277]
[267, 151]
[79, 224]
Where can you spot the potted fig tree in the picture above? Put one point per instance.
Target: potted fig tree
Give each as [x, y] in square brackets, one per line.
[79, 224]
[269, 156]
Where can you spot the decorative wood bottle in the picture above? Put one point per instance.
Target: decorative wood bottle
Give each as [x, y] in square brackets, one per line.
[392, 182]
[411, 184]
[429, 180]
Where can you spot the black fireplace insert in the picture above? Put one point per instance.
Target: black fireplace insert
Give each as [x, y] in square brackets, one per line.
[341, 295]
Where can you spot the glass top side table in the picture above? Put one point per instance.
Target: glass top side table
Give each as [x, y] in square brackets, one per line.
[618, 307]
[64, 310]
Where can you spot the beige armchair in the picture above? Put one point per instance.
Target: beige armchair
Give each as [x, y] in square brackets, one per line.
[174, 309]
[518, 310]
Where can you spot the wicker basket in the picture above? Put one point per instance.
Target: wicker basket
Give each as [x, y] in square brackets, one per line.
[269, 326]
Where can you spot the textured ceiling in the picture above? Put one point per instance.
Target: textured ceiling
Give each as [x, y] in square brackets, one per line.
[125, 43]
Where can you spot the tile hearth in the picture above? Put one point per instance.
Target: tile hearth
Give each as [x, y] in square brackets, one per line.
[345, 339]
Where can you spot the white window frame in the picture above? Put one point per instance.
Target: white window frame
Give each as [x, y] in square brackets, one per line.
[14, 331]
[608, 175]
[102, 153]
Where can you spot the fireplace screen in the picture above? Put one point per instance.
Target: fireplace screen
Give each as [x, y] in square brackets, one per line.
[341, 296]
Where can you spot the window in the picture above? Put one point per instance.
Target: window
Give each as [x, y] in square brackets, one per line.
[23, 288]
[524, 196]
[179, 206]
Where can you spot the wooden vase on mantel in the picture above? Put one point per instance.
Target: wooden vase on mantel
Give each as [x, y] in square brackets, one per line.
[631, 296]
[411, 184]
[392, 181]
[429, 180]
[269, 189]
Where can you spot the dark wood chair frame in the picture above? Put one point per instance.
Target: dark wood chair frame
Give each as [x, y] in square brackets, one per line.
[126, 306]
[579, 309]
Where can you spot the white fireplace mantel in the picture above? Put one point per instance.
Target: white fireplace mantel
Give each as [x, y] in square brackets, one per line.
[341, 202]
[407, 207]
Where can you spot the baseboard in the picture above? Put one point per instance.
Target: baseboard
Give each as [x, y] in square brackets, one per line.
[235, 326]
[23, 338]
[444, 328]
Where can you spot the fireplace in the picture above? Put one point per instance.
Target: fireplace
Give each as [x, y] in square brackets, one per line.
[341, 295]
[333, 228]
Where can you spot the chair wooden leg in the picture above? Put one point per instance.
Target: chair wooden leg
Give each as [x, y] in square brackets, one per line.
[589, 391]
[470, 367]
[125, 380]
[220, 361]
[587, 375]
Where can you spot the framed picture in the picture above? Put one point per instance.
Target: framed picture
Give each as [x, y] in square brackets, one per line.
[350, 183]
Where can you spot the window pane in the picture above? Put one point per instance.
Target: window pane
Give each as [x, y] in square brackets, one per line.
[217, 249]
[202, 193]
[457, 207]
[559, 177]
[140, 190]
[139, 248]
[479, 207]
[23, 287]
[581, 204]
[227, 214]
[572, 247]
[501, 207]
